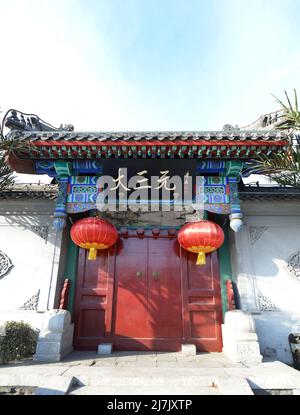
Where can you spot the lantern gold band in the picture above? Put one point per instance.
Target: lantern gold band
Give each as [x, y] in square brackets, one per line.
[197, 249]
[89, 245]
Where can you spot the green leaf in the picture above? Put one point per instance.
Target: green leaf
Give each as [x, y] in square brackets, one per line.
[280, 102]
[296, 100]
[288, 100]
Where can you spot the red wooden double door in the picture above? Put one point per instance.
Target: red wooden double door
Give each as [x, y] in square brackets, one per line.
[147, 293]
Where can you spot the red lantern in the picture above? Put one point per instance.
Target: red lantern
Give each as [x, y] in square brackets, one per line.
[93, 234]
[201, 237]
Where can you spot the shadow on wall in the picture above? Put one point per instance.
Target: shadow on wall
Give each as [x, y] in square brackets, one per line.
[40, 226]
[273, 329]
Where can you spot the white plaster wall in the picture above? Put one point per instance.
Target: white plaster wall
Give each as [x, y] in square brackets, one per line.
[35, 258]
[260, 255]
[34, 318]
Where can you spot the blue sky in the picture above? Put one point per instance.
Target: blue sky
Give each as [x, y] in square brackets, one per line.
[148, 64]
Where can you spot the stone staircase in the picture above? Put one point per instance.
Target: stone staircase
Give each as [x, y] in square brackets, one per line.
[173, 374]
[131, 373]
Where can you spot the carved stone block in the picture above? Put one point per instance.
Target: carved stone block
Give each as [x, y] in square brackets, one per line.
[56, 338]
[240, 342]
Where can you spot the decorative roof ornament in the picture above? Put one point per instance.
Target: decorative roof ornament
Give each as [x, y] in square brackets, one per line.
[270, 121]
[229, 127]
[17, 120]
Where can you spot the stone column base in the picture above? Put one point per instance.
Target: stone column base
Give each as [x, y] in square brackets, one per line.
[56, 338]
[240, 342]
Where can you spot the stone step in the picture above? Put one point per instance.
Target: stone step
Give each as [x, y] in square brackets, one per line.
[104, 380]
[186, 381]
[44, 384]
[144, 390]
[103, 376]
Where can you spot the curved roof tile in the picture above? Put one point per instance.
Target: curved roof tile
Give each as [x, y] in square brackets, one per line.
[237, 135]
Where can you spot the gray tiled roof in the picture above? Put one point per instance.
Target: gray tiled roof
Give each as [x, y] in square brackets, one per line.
[269, 193]
[132, 136]
[30, 191]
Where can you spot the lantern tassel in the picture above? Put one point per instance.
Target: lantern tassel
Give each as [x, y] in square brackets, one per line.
[201, 258]
[92, 254]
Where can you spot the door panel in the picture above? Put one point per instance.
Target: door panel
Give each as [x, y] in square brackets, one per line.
[164, 289]
[148, 309]
[203, 324]
[131, 320]
[202, 309]
[93, 299]
[92, 323]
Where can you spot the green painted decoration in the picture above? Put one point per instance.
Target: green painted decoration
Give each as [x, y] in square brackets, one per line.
[71, 271]
[63, 168]
[225, 267]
